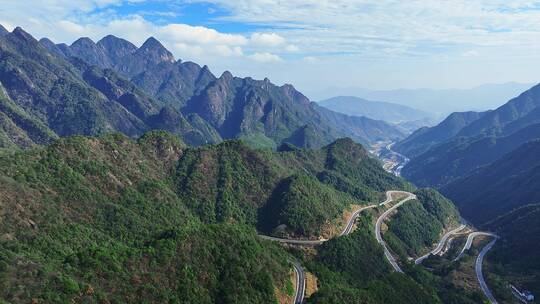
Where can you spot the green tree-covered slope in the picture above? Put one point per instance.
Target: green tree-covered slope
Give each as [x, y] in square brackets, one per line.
[98, 220]
[296, 190]
[111, 219]
[520, 232]
[419, 224]
[500, 187]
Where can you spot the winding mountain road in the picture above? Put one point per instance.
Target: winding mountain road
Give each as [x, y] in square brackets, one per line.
[440, 245]
[391, 193]
[480, 275]
[479, 261]
[293, 241]
[300, 283]
[352, 219]
[348, 228]
[378, 234]
[470, 239]
[300, 276]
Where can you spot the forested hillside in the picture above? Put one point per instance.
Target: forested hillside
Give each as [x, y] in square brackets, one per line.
[425, 138]
[464, 143]
[460, 157]
[296, 190]
[520, 232]
[500, 187]
[112, 219]
[98, 220]
[420, 223]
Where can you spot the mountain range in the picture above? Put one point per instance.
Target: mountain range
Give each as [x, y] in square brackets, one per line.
[503, 197]
[113, 219]
[129, 176]
[503, 185]
[389, 112]
[425, 138]
[52, 90]
[466, 141]
[514, 227]
[487, 163]
[441, 102]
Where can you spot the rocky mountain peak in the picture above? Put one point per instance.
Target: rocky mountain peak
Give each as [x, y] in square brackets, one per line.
[116, 47]
[226, 76]
[51, 46]
[83, 42]
[21, 34]
[290, 91]
[90, 52]
[46, 41]
[113, 41]
[3, 31]
[155, 50]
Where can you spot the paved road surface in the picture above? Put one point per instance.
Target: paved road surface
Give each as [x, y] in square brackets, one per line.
[391, 193]
[480, 260]
[300, 283]
[440, 245]
[378, 235]
[346, 230]
[470, 240]
[480, 275]
[352, 219]
[293, 241]
[300, 277]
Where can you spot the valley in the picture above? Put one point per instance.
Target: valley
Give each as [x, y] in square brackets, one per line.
[128, 175]
[486, 162]
[160, 154]
[399, 198]
[393, 162]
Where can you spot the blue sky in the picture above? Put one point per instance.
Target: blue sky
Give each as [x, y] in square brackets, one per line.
[314, 45]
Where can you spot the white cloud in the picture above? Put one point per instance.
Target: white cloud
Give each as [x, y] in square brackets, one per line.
[386, 42]
[187, 50]
[135, 29]
[71, 27]
[267, 39]
[363, 26]
[265, 57]
[227, 51]
[292, 48]
[200, 35]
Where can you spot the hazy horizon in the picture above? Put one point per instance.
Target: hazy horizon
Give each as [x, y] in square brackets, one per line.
[315, 44]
